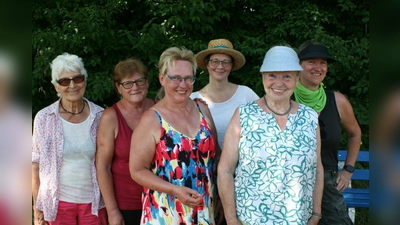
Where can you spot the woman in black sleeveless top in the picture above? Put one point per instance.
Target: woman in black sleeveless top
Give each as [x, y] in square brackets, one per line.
[334, 111]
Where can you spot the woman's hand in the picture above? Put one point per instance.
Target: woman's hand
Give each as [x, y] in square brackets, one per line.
[313, 220]
[200, 100]
[188, 196]
[115, 217]
[343, 180]
[39, 217]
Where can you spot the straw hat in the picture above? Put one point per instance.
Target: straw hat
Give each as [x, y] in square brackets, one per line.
[221, 46]
[281, 58]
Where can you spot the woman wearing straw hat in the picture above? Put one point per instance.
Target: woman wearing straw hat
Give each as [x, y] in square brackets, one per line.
[334, 111]
[222, 96]
[270, 169]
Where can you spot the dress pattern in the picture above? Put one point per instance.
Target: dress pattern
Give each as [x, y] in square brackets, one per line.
[276, 171]
[183, 161]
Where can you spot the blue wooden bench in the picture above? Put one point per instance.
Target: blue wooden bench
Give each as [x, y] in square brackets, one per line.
[357, 197]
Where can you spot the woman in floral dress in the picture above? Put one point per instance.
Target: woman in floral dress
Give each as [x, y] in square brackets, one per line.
[270, 169]
[174, 152]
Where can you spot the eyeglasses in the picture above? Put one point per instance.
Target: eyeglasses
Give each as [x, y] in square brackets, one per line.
[129, 84]
[66, 81]
[176, 80]
[216, 62]
[322, 129]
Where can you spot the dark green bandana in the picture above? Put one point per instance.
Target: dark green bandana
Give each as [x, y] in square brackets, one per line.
[314, 99]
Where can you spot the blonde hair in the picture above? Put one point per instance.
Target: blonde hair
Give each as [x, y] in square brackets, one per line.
[168, 59]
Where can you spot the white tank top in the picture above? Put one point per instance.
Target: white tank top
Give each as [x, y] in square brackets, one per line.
[76, 184]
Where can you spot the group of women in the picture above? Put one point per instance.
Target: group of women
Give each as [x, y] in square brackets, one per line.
[143, 161]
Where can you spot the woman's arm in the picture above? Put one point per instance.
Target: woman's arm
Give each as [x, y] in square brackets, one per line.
[227, 167]
[350, 125]
[106, 133]
[319, 184]
[38, 131]
[38, 215]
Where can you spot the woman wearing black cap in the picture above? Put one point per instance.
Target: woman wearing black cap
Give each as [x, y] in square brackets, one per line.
[334, 111]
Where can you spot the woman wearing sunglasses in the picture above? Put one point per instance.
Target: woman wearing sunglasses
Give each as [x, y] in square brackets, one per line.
[121, 194]
[64, 183]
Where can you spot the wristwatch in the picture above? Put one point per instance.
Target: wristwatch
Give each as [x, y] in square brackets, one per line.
[349, 168]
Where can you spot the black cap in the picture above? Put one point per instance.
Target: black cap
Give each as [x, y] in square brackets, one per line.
[315, 51]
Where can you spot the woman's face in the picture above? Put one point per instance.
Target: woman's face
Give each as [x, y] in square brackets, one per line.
[219, 66]
[72, 92]
[133, 88]
[314, 72]
[178, 81]
[280, 85]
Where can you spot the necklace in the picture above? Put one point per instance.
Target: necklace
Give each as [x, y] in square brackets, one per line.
[73, 113]
[279, 114]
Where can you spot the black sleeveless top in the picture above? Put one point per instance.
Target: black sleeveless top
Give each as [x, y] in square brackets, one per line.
[329, 123]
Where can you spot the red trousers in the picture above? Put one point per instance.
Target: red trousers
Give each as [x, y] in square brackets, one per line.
[81, 214]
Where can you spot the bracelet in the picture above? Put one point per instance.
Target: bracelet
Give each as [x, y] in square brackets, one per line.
[317, 214]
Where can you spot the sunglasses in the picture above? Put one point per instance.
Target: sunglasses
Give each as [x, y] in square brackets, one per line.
[66, 81]
[322, 129]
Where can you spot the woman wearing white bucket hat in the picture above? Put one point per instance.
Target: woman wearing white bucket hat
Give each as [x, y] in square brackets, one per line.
[270, 169]
[222, 96]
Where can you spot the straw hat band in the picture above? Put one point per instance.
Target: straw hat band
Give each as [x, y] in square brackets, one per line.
[220, 46]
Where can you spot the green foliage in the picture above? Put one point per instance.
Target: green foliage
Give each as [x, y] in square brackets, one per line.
[105, 32]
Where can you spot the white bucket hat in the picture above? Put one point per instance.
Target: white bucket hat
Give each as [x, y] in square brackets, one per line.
[281, 58]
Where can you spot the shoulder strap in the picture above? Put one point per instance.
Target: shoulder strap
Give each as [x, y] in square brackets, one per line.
[158, 115]
[199, 108]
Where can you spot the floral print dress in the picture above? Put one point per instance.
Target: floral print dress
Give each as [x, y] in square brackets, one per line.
[276, 172]
[183, 161]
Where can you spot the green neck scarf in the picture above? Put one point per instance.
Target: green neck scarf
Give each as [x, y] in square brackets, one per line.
[314, 99]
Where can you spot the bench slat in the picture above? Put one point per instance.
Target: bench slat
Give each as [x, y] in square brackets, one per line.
[363, 156]
[357, 197]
